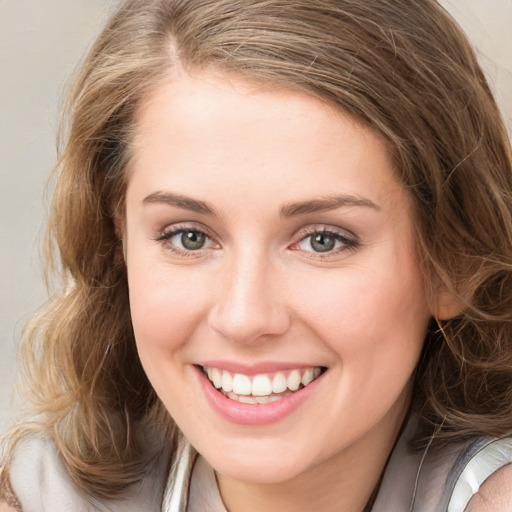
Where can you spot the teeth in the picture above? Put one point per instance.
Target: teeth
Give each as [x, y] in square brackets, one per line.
[293, 380]
[227, 382]
[247, 399]
[216, 378]
[261, 388]
[279, 383]
[241, 384]
[254, 399]
[307, 377]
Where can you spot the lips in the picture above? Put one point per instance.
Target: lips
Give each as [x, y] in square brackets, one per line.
[261, 388]
[251, 409]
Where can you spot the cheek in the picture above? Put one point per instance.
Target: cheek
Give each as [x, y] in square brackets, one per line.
[375, 324]
[374, 317]
[166, 303]
[364, 300]
[166, 308]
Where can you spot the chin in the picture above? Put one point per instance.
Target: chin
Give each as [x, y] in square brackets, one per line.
[260, 465]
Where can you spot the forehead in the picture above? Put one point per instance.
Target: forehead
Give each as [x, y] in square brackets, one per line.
[194, 133]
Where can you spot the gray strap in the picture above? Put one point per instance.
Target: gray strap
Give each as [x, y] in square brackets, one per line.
[488, 460]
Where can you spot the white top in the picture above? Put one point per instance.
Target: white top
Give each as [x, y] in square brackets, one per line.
[432, 480]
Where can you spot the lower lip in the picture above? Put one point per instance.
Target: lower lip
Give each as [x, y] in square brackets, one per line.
[254, 414]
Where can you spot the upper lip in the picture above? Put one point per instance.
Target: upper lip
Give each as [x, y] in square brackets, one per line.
[255, 368]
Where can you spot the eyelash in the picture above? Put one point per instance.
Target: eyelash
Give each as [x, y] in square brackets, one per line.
[349, 242]
[166, 236]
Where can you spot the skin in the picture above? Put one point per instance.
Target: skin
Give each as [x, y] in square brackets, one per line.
[257, 291]
[495, 494]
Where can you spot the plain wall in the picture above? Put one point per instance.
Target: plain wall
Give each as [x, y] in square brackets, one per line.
[41, 42]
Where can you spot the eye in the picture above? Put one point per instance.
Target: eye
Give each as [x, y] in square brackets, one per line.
[191, 240]
[324, 242]
[186, 240]
[320, 242]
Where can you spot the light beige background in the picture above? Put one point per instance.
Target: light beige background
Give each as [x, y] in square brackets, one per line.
[41, 42]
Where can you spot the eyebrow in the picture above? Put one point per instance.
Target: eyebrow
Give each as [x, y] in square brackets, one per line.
[288, 210]
[325, 204]
[179, 201]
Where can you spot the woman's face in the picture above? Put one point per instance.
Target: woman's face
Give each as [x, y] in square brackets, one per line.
[269, 244]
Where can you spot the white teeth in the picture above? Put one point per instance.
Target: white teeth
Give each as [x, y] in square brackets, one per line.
[247, 399]
[279, 383]
[307, 377]
[227, 382]
[293, 380]
[253, 399]
[241, 384]
[216, 378]
[261, 386]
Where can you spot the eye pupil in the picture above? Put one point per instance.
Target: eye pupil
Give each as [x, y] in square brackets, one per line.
[193, 240]
[322, 242]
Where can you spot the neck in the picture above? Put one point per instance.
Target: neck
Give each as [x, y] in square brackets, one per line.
[346, 481]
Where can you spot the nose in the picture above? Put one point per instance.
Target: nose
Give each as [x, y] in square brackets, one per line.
[250, 303]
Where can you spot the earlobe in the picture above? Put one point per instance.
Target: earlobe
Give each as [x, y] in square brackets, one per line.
[447, 299]
[447, 304]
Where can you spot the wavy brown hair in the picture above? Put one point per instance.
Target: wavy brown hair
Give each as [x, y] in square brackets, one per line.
[401, 67]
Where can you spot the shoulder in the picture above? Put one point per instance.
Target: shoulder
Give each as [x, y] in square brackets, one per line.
[495, 494]
[40, 481]
[484, 483]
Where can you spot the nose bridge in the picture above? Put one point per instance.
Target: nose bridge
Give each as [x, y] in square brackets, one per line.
[248, 306]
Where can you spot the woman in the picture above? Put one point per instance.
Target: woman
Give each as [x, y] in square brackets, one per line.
[285, 234]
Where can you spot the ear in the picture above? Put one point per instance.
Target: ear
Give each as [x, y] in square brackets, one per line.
[447, 305]
[447, 302]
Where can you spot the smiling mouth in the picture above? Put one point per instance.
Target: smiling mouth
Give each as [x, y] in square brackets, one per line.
[262, 388]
